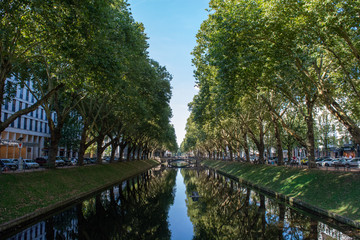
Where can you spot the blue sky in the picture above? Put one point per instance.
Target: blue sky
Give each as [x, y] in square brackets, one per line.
[171, 26]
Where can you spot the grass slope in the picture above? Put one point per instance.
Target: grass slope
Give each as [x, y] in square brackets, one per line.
[338, 192]
[26, 192]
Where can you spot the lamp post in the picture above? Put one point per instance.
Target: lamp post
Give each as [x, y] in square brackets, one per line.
[20, 144]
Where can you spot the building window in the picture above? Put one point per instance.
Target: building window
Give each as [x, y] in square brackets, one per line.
[41, 113]
[20, 105]
[27, 95]
[12, 124]
[36, 127]
[5, 117]
[19, 122]
[46, 128]
[45, 116]
[36, 113]
[32, 98]
[21, 93]
[13, 105]
[6, 105]
[40, 130]
[25, 123]
[30, 124]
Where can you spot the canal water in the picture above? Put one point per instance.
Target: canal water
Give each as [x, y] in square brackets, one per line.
[181, 204]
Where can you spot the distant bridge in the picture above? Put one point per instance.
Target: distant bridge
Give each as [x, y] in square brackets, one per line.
[178, 162]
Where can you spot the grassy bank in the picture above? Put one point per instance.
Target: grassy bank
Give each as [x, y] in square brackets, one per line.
[26, 192]
[338, 192]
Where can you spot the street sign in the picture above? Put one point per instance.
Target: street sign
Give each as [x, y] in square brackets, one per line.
[20, 145]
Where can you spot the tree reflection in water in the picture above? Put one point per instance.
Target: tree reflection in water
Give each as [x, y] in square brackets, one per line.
[135, 209]
[138, 209]
[225, 210]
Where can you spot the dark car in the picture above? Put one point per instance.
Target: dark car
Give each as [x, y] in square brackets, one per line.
[41, 161]
[87, 161]
[9, 164]
[3, 167]
[67, 161]
[93, 160]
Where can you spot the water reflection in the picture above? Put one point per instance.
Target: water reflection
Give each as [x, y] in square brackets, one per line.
[135, 209]
[225, 210]
[218, 208]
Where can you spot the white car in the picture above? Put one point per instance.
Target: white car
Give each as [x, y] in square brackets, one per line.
[327, 162]
[29, 163]
[355, 162]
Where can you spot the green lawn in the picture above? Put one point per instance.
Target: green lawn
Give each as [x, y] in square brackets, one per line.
[23, 193]
[338, 192]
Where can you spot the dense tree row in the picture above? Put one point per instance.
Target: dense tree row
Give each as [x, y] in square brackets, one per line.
[86, 63]
[267, 69]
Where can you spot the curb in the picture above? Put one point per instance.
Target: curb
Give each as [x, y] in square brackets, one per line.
[27, 219]
[292, 201]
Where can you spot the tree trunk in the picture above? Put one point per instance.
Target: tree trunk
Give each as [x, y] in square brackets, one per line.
[123, 145]
[54, 145]
[133, 153]
[289, 148]
[82, 145]
[278, 140]
[259, 142]
[128, 153]
[113, 150]
[336, 110]
[231, 153]
[100, 149]
[246, 147]
[138, 153]
[261, 148]
[310, 143]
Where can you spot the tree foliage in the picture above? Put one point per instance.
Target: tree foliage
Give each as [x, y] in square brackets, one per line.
[259, 62]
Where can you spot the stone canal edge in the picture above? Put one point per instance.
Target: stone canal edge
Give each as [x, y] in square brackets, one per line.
[291, 200]
[39, 214]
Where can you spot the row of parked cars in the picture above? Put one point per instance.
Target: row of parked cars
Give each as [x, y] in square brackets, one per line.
[322, 162]
[13, 164]
[334, 162]
[340, 162]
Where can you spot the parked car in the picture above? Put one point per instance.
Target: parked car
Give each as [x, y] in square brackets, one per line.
[355, 162]
[59, 162]
[67, 161]
[304, 161]
[3, 167]
[8, 163]
[327, 162]
[74, 161]
[339, 162]
[93, 160]
[41, 161]
[273, 160]
[29, 163]
[87, 160]
[106, 159]
[319, 161]
[293, 162]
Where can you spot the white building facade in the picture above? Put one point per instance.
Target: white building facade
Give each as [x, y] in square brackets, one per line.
[32, 128]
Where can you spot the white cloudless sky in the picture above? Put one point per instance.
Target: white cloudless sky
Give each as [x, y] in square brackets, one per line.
[171, 26]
